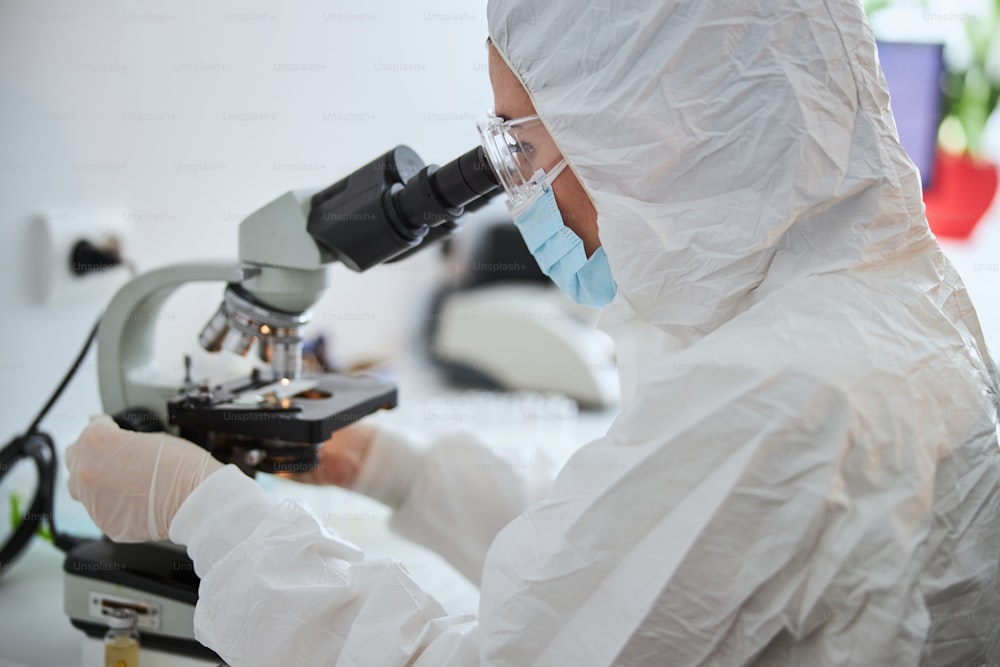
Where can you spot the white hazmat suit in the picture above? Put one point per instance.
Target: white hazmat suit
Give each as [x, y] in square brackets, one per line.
[805, 468]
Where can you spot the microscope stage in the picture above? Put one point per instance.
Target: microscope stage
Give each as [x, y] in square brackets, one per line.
[268, 410]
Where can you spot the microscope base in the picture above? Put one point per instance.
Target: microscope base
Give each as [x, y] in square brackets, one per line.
[156, 580]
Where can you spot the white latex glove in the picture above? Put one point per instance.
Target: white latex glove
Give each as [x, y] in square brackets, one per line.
[131, 483]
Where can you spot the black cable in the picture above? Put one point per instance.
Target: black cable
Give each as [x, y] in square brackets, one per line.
[39, 447]
[65, 381]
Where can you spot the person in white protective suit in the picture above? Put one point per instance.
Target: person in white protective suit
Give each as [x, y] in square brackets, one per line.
[805, 468]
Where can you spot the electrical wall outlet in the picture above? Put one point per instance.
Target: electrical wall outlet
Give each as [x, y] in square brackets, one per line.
[56, 233]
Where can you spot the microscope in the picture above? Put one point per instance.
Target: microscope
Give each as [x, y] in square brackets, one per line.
[276, 417]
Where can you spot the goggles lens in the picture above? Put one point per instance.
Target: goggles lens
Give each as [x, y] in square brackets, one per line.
[522, 154]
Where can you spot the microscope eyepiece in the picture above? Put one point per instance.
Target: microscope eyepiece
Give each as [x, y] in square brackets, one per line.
[392, 205]
[465, 179]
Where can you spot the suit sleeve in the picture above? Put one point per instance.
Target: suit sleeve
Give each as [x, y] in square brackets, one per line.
[454, 494]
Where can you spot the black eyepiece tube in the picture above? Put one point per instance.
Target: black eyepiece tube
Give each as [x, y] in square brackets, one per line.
[438, 194]
[465, 179]
[372, 217]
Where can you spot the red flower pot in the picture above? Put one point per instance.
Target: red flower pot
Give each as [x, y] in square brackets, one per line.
[961, 192]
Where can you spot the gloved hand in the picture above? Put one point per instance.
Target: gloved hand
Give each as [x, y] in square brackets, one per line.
[341, 457]
[131, 483]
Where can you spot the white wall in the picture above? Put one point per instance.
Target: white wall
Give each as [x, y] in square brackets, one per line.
[184, 116]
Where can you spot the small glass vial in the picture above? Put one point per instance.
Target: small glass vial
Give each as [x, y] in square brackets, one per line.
[121, 641]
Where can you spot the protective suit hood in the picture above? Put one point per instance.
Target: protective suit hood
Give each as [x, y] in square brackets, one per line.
[729, 148]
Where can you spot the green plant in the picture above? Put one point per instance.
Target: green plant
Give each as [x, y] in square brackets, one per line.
[872, 6]
[17, 517]
[970, 94]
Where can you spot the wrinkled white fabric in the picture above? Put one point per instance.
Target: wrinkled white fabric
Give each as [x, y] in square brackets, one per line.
[805, 469]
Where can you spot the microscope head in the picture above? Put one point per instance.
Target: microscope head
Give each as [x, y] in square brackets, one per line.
[395, 205]
[388, 208]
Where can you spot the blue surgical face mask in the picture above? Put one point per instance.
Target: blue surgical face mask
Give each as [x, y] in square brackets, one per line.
[560, 254]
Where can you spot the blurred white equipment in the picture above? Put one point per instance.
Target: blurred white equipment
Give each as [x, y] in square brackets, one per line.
[519, 335]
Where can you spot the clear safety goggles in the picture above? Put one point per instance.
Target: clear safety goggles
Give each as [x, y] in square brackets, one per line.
[522, 154]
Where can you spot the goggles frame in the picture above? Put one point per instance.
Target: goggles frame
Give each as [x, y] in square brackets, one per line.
[522, 154]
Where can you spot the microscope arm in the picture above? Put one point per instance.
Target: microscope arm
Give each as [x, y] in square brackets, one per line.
[127, 371]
